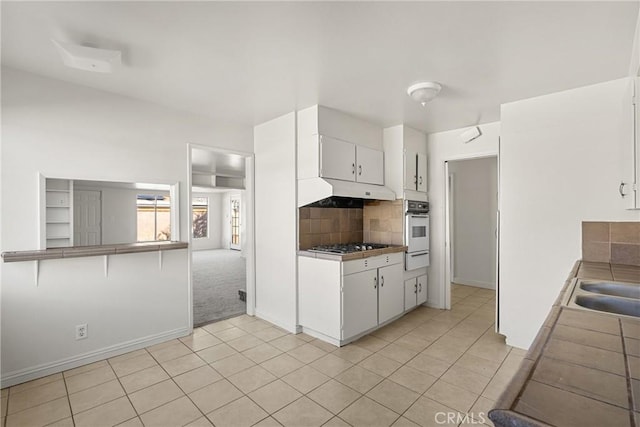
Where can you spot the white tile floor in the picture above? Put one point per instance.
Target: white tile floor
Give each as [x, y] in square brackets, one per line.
[244, 372]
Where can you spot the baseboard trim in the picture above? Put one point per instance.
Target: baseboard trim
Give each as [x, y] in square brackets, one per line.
[476, 283]
[39, 371]
[294, 329]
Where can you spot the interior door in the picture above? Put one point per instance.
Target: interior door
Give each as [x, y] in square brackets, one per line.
[390, 292]
[359, 302]
[370, 166]
[422, 173]
[337, 159]
[87, 217]
[410, 171]
[235, 223]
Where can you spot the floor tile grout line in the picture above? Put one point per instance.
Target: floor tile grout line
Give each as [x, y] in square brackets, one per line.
[465, 352]
[176, 384]
[408, 327]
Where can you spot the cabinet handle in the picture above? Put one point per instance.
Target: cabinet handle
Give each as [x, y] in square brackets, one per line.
[420, 284]
[620, 189]
[416, 289]
[353, 168]
[375, 283]
[420, 180]
[359, 169]
[415, 179]
[381, 281]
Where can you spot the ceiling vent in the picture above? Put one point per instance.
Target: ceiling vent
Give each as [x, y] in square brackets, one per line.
[88, 58]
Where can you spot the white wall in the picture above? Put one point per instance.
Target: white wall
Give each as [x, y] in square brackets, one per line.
[276, 221]
[119, 217]
[445, 146]
[474, 205]
[214, 239]
[64, 130]
[560, 164]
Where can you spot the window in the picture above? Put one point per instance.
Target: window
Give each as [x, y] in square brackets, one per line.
[154, 217]
[200, 217]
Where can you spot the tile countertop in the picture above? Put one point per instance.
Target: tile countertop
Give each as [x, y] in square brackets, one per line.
[583, 369]
[354, 255]
[83, 251]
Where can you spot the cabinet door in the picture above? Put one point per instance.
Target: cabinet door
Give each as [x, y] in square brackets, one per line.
[422, 289]
[370, 166]
[359, 302]
[422, 173]
[410, 171]
[628, 186]
[390, 293]
[410, 291]
[337, 159]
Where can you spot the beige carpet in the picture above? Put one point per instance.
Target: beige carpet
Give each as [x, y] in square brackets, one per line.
[218, 275]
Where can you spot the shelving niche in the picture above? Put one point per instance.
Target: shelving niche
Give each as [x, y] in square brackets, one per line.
[59, 212]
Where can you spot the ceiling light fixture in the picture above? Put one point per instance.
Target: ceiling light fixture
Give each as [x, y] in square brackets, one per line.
[424, 92]
[88, 58]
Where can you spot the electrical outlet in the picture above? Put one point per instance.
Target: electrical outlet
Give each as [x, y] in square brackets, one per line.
[81, 331]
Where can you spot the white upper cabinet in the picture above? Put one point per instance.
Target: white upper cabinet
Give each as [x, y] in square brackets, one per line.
[349, 162]
[370, 168]
[422, 173]
[405, 151]
[334, 145]
[410, 170]
[630, 173]
[337, 159]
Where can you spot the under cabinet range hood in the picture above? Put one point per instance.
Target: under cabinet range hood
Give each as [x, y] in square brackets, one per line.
[313, 189]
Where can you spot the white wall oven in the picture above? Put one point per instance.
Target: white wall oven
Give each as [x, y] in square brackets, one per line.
[416, 234]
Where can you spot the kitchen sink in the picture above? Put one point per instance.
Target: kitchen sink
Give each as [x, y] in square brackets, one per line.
[612, 288]
[619, 298]
[616, 305]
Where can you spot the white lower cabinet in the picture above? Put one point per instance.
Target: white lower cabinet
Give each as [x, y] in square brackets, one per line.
[359, 302]
[390, 292]
[415, 292]
[342, 300]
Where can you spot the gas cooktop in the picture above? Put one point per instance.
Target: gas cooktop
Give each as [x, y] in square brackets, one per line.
[347, 248]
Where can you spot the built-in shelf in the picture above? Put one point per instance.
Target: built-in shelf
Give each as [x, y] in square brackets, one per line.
[59, 212]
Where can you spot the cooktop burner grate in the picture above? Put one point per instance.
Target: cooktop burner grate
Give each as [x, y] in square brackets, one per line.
[347, 248]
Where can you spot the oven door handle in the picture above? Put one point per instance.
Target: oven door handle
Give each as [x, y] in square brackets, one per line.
[419, 254]
[417, 215]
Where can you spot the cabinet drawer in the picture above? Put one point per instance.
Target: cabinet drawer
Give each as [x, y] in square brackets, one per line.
[358, 265]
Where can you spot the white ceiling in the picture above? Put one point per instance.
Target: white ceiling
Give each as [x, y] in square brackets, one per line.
[245, 63]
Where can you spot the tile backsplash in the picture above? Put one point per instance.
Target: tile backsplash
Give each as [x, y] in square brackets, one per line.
[328, 226]
[383, 222]
[614, 242]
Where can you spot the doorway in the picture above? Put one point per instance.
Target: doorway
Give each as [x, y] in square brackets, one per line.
[472, 229]
[221, 255]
